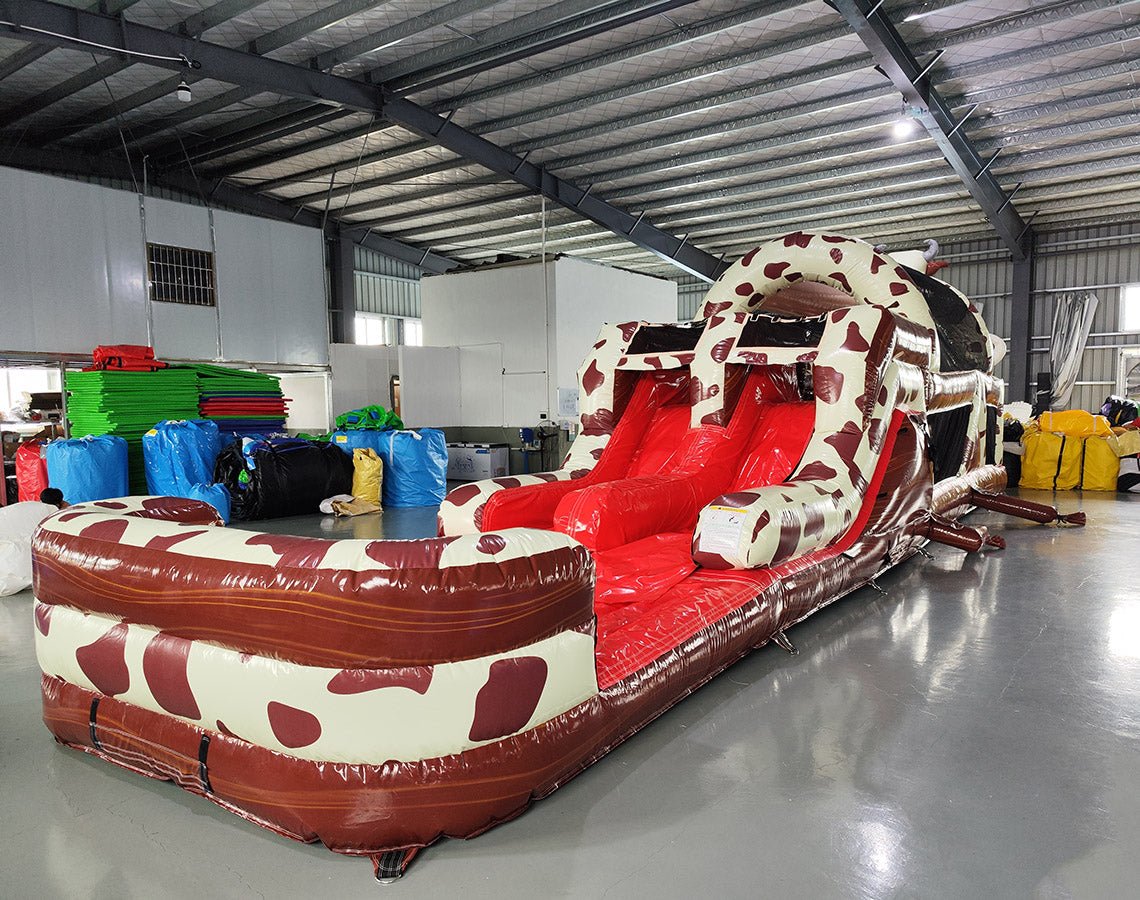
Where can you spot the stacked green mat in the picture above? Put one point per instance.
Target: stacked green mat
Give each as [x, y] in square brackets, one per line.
[129, 404]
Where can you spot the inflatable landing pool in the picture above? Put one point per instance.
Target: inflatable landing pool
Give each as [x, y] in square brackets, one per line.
[829, 411]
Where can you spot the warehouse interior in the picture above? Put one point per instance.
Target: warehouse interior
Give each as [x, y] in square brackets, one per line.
[347, 273]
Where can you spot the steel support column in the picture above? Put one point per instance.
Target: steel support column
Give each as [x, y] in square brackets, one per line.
[1022, 379]
[342, 289]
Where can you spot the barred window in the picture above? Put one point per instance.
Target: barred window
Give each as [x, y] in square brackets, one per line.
[180, 275]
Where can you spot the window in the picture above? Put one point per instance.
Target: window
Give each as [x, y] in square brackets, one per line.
[18, 382]
[389, 330]
[374, 330]
[1130, 307]
[180, 275]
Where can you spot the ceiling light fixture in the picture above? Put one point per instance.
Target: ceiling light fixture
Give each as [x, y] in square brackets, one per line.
[183, 92]
[903, 128]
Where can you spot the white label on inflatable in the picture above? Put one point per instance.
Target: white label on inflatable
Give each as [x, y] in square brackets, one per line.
[720, 529]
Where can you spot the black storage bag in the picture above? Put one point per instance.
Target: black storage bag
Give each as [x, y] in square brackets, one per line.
[289, 477]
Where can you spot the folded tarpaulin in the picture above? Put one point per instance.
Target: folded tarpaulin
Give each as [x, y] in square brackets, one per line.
[230, 395]
[90, 468]
[374, 416]
[127, 357]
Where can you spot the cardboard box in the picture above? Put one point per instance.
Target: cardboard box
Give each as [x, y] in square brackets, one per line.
[472, 462]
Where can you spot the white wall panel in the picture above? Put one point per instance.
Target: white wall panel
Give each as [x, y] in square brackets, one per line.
[244, 272]
[71, 265]
[361, 375]
[271, 291]
[589, 294]
[308, 394]
[481, 393]
[73, 275]
[545, 319]
[178, 224]
[429, 386]
[297, 291]
[502, 305]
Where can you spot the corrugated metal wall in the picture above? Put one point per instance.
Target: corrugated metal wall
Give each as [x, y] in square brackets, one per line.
[690, 292]
[384, 285]
[1098, 259]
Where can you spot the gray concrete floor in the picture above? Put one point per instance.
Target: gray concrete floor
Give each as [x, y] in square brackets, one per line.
[972, 734]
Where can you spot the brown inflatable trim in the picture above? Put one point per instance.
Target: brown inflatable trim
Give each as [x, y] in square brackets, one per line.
[322, 616]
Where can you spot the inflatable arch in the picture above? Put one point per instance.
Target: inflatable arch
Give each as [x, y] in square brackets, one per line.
[733, 475]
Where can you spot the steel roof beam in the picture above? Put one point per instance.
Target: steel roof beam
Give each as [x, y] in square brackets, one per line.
[400, 31]
[907, 204]
[912, 79]
[565, 193]
[245, 138]
[62, 26]
[235, 66]
[220, 12]
[273, 40]
[504, 53]
[810, 179]
[746, 92]
[766, 167]
[760, 54]
[30, 54]
[676, 37]
[461, 49]
[847, 67]
[933, 220]
[329, 59]
[559, 35]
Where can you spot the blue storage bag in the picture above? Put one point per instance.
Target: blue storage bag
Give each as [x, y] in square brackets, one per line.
[214, 494]
[363, 439]
[90, 468]
[415, 466]
[178, 454]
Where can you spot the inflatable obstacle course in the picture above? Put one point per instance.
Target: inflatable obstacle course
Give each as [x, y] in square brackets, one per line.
[732, 476]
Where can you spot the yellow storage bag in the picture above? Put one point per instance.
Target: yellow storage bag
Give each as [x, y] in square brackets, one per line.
[1074, 423]
[1052, 462]
[367, 474]
[1101, 464]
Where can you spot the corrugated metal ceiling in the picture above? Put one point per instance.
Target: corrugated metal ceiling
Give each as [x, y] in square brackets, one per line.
[729, 121]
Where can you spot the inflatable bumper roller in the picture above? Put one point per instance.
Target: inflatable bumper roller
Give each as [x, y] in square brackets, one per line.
[732, 476]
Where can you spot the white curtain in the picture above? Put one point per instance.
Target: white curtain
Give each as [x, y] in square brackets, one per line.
[1072, 322]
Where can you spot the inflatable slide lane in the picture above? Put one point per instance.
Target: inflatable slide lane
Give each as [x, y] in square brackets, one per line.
[733, 475]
